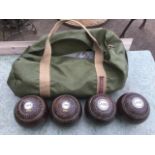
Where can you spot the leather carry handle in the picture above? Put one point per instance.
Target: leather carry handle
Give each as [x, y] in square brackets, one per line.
[47, 54]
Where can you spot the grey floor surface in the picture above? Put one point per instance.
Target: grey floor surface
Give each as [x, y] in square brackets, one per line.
[141, 79]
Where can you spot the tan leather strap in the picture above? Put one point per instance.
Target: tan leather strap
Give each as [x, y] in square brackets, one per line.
[47, 54]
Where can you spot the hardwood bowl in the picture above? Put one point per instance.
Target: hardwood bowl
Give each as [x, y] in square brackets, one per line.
[100, 108]
[134, 106]
[66, 109]
[30, 110]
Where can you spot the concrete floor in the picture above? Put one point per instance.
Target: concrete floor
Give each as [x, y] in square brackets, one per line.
[143, 39]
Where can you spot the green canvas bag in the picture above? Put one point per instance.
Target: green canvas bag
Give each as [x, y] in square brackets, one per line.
[47, 70]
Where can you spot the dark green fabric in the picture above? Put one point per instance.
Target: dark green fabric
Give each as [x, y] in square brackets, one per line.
[70, 75]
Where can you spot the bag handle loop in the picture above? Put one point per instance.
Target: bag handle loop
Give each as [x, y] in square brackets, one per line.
[61, 22]
[44, 75]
